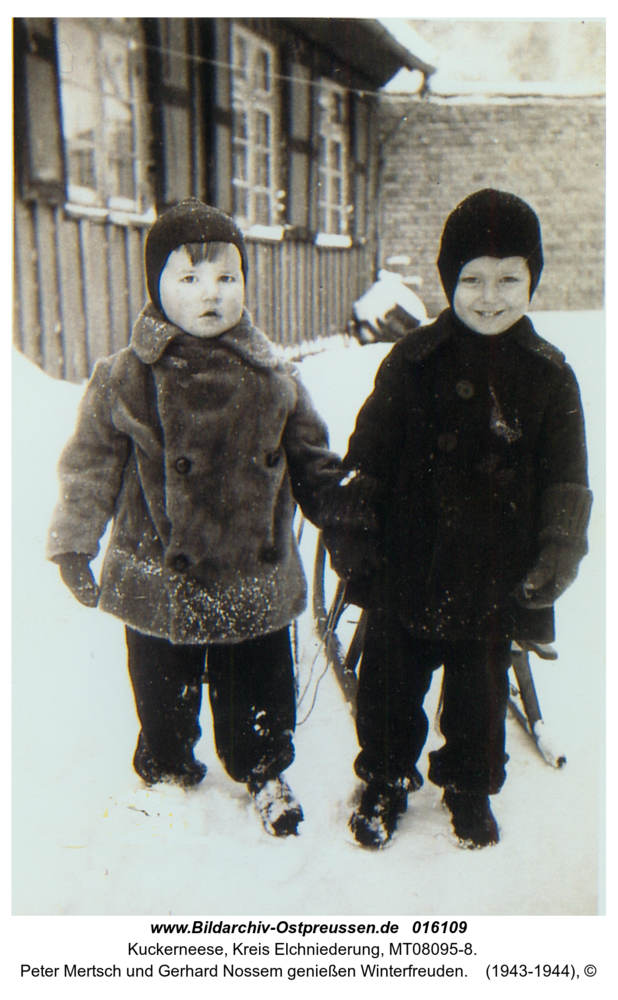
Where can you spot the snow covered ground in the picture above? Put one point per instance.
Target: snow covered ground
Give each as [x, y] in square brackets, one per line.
[90, 839]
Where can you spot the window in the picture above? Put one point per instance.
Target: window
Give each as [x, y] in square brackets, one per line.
[256, 194]
[104, 114]
[39, 154]
[176, 102]
[333, 208]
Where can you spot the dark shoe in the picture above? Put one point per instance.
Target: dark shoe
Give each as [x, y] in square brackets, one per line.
[374, 822]
[473, 821]
[186, 774]
[279, 810]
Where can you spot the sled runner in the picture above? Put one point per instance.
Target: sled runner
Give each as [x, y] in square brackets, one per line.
[523, 700]
[524, 697]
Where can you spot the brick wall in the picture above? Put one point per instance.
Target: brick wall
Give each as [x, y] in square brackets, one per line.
[548, 151]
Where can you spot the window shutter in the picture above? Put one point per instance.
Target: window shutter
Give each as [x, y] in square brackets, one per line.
[38, 132]
[300, 147]
[361, 114]
[171, 87]
[223, 121]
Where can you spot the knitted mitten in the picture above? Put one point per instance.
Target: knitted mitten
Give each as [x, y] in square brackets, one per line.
[351, 526]
[76, 573]
[565, 512]
[353, 554]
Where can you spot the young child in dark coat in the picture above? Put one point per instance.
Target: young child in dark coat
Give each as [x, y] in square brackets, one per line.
[198, 441]
[462, 520]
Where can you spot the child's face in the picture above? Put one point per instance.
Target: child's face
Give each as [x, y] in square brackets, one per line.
[204, 299]
[492, 293]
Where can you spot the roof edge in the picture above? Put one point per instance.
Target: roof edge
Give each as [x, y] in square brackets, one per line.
[408, 59]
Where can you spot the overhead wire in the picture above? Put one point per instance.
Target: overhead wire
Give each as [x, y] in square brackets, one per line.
[192, 57]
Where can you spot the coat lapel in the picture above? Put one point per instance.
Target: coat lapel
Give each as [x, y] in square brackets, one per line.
[152, 335]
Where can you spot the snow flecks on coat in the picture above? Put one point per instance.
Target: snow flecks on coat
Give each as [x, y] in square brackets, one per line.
[467, 434]
[248, 607]
[199, 451]
[499, 425]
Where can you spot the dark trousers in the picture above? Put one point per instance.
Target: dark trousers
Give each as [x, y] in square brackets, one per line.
[252, 697]
[392, 727]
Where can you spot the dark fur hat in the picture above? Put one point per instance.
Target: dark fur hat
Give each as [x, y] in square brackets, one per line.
[489, 223]
[190, 221]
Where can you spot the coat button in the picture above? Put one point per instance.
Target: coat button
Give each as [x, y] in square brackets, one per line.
[273, 458]
[447, 441]
[180, 563]
[464, 389]
[183, 465]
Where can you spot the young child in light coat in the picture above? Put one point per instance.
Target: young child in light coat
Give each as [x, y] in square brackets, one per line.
[462, 521]
[198, 441]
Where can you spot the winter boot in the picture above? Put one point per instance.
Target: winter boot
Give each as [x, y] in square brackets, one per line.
[279, 810]
[374, 822]
[185, 773]
[473, 821]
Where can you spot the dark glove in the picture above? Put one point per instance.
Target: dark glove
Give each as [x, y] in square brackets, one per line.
[553, 573]
[353, 504]
[76, 573]
[565, 512]
[350, 526]
[354, 554]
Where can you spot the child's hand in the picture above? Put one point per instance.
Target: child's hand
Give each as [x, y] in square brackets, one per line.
[553, 574]
[354, 555]
[76, 573]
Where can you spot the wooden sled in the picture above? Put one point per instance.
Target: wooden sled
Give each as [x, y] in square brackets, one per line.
[523, 701]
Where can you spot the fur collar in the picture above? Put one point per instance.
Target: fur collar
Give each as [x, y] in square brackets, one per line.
[420, 343]
[152, 334]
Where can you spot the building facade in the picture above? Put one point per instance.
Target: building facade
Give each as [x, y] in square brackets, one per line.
[549, 151]
[116, 119]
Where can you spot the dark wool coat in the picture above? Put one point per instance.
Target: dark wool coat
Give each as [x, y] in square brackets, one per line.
[463, 434]
[198, 449]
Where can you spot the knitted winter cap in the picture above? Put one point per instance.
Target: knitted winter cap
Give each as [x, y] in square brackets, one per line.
[190, 221]
[489, 223]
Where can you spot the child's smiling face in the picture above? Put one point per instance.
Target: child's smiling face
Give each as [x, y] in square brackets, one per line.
[204, 299]
[492, 293]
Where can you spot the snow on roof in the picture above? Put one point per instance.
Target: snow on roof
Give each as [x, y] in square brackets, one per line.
[444, 86]
[407, 36]
[482, 59]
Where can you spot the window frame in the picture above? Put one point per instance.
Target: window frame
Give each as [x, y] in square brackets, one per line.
[332, 133]
[39, 151]
[255, 105]
[101, 201]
